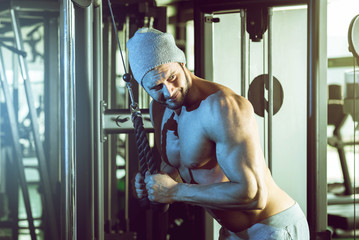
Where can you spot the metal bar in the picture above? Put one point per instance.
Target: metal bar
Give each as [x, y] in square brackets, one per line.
[127, 165]
[68, 150]
[97, 149]
[2, 169]
[51, 99]
[243, 53]
[270, 90]
[198, 40]
[17, 148]
[116, 122]
[213, 5]
[350, 143]
[98, 96]
[15, 85]
[50, 212]
[84, 120]
[317, 120]
[108, 152]
[118, 42]
[13, 189]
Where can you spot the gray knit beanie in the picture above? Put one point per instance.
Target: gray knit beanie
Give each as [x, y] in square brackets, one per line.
[150, 48]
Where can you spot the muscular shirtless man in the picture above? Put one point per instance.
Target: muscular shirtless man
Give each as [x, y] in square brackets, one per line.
[209, 143]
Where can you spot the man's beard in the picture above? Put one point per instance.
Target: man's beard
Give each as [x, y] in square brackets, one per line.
[183, 95]
[178, 103]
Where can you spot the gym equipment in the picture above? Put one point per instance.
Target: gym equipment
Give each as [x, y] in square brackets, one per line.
[146, 160]
[343, 213]
[315, 80]
[48, 201]
[337, 118]
[16, 145]
[256, 94]
[18, 158]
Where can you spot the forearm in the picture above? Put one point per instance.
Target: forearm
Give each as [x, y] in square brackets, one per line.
[224, 195]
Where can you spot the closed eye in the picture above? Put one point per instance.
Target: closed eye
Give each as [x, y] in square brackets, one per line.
[158, 87]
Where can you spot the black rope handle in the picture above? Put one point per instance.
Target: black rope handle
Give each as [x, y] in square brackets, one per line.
[146, 161]
[144, 151]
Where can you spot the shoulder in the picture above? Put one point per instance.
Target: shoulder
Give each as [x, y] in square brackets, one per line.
[227, 113]
[219, 95]
[225, 101]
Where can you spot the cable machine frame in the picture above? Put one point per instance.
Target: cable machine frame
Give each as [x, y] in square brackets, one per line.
[316, 95]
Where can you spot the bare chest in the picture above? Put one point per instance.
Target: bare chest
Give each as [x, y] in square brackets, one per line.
[185, 146]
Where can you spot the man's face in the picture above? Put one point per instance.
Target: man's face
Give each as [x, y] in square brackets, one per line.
[167, 84]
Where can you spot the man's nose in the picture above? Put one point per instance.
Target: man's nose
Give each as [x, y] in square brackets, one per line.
[168, 90]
